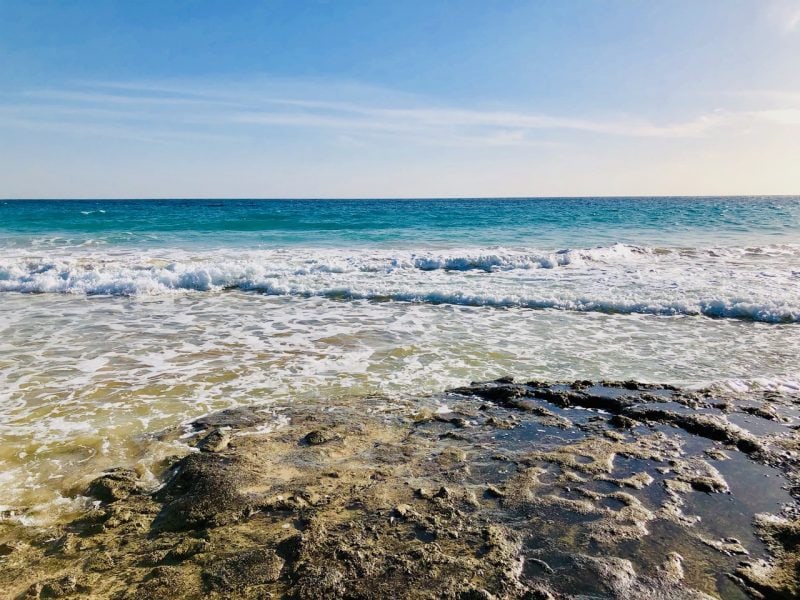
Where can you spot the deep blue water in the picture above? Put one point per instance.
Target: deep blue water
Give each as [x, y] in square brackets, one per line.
[544, 223]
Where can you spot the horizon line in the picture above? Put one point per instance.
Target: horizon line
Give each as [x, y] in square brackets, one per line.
[393, 198]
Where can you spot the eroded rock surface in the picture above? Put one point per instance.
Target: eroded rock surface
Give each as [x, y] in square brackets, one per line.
[581, 490]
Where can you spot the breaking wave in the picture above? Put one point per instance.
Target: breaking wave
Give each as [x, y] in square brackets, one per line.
[758, 284]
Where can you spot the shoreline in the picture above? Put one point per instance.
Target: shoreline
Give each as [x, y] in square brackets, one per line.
[537, 490]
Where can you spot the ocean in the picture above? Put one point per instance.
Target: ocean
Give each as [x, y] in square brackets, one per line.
[119, 319]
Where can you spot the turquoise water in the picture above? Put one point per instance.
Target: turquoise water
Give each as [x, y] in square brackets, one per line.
[548, 223]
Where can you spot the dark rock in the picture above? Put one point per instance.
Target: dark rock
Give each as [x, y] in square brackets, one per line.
[622, 422]
[473, 593]
[538, 593]
[542, 565]
[99, 562]
[114, 485]
[7, 548]
[443, 493]
[764, 412]
[499, 393]
[164, 582]
[709, 485]
[708, 426]
[494, 492]
[320, 436]
[186, 549]
[235, 418]
[204, 489]
[452, 435]
[67, 544]
[423, 493]
[458, 422]
[216, 441]
[633, 385]
[58, 588]
[242, 570]
[581, 384]
[612, 404]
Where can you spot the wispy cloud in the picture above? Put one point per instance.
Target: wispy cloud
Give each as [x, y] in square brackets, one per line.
[784, 116]
[784, 14]
[766, 97]
[171, 112]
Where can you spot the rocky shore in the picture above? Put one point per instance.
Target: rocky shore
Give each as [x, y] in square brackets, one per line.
[505, 490]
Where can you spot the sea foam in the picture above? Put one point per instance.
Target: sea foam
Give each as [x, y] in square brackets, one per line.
[759, 284]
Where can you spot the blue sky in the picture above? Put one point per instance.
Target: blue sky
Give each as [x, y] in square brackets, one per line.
[407, 98]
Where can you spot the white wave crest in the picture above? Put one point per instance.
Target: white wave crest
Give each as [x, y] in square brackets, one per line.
[720, 283]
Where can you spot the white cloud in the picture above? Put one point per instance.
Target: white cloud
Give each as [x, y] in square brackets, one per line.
[168, 111]
[785, 15]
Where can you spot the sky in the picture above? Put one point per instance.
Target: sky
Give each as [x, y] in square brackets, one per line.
[411, 98]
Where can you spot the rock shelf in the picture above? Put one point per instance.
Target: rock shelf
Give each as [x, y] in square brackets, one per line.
[510, 490]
